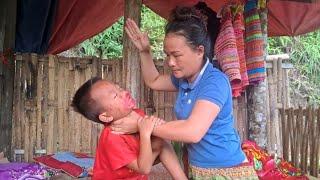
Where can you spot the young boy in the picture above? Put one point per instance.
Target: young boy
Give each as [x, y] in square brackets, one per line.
[122, 156]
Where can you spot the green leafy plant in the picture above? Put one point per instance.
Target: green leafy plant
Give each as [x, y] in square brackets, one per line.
[305, 56]
[109, 43]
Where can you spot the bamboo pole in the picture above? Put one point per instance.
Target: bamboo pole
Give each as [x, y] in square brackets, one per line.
[51, 109]
[299, 120]
[313, 153]
[24, 114]
[277, 123]
[284, 132]
[78, 118]
[45, 109]
[17, 129]
[87, 128]
[71, 113]
[286, 90]
[304, 144]
[272, 75]
[317, 166]
[32, 131]
[290, 127]
[60, 108]
[66, 106]
[39, 104]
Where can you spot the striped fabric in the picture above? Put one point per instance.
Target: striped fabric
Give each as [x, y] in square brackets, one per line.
[226, 50]
[254, 41]
[245, 171]
[238, 26]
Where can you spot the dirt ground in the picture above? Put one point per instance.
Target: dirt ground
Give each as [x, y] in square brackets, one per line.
[159, 172]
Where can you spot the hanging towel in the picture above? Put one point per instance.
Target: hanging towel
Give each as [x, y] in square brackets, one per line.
[254, 44]
[226, 50]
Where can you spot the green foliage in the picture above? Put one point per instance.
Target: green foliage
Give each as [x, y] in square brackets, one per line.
[278, 45]
[110, 41]
[154, 25]
[305, 56]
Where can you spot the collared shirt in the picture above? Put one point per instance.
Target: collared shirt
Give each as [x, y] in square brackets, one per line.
[220, 146]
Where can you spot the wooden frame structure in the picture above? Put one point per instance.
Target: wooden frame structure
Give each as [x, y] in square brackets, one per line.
[8, 9]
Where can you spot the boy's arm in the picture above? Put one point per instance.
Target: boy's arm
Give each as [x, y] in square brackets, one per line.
[146, 157]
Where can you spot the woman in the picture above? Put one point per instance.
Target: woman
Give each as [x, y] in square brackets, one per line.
[203, 106]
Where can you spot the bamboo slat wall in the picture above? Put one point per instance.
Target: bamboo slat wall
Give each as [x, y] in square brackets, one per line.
[43, 121]
[301, 138]
[278, 82]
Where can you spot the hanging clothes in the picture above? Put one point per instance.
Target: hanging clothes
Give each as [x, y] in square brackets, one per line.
[226, 51]
[238, 26]
[254, 44]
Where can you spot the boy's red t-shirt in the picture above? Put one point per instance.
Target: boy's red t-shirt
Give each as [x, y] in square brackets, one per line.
[114, 153]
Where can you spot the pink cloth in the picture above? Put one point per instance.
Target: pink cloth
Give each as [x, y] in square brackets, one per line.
[226, 51]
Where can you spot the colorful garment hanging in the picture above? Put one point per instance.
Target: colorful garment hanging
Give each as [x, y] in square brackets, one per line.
[238, 25]
[226, 51]
[254, 44]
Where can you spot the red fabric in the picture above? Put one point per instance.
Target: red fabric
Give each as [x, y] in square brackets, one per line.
[68, 167]
[81, 155]
[292, 18]
[164, 7]
[270, 169]
[140, 112]
[72, 169]
[113, 153]
[78, 20]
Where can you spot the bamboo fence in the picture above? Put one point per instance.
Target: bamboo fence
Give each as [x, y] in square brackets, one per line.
[301, 138]
[44, 123]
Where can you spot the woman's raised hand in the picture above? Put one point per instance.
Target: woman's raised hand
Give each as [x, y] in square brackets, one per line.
[138, 38]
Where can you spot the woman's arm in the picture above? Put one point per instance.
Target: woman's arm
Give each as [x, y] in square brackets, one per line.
[150, 73]
[192, 129]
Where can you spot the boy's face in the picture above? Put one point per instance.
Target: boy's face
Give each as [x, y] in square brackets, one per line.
[116, 102]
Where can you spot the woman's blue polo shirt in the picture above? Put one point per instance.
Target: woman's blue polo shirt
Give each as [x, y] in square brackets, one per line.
[220, 147]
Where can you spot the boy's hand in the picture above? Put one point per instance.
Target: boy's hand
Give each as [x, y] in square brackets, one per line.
[147, 124]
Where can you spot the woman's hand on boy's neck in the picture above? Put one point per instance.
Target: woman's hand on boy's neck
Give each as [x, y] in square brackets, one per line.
[126, 125]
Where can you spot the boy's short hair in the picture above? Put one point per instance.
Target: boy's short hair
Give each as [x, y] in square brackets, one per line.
[83, 103]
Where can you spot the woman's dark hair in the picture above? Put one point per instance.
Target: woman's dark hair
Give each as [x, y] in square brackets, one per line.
[191, 24]
[213, 22]
[83, 103]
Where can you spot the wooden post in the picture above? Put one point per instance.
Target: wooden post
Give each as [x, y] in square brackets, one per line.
[8, 13]
[131, 59]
